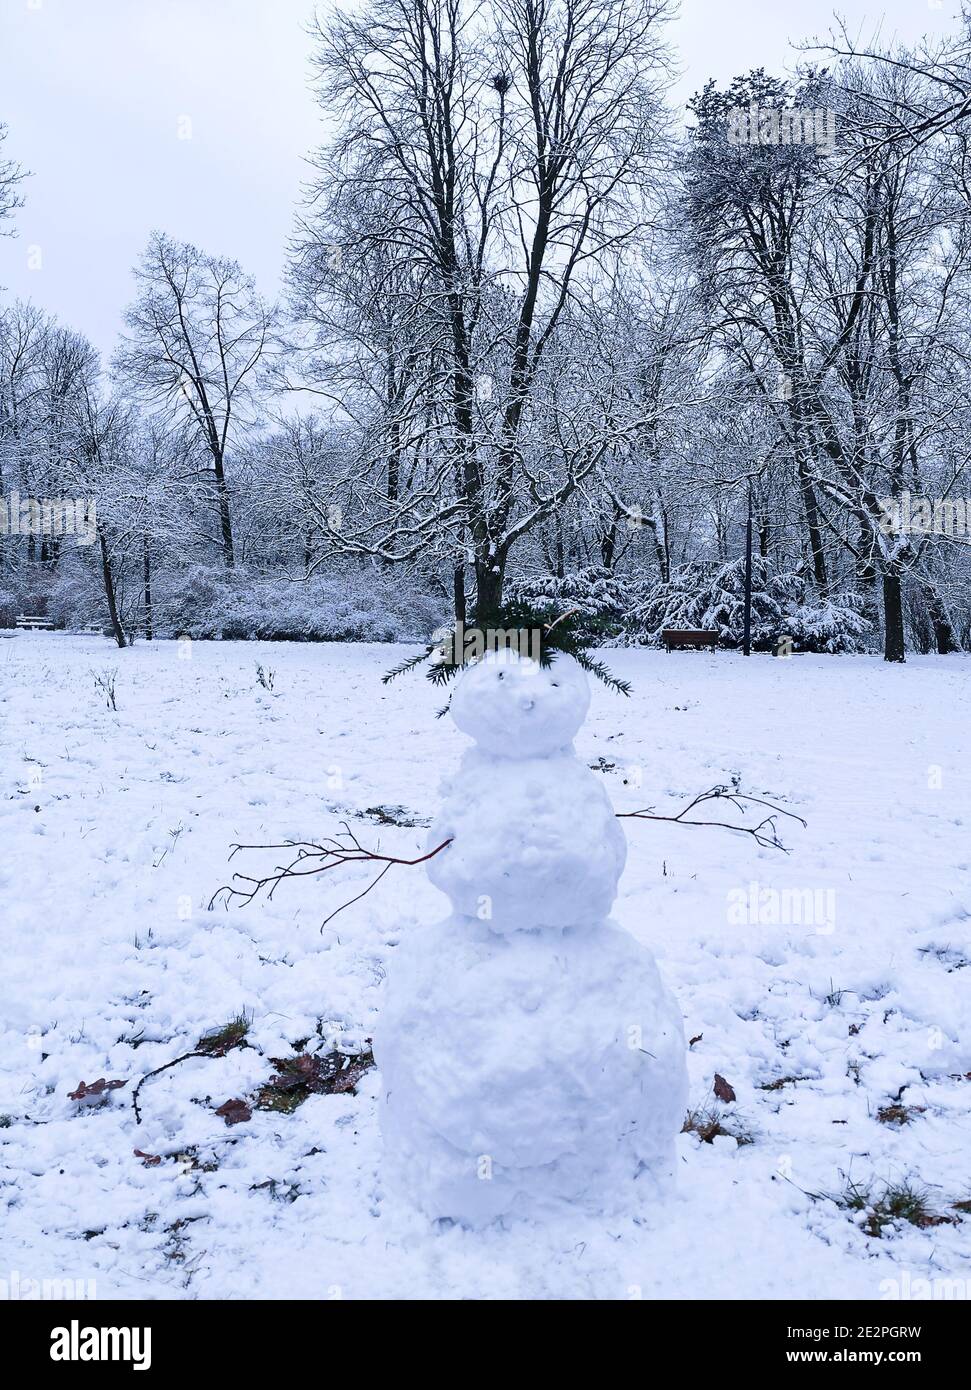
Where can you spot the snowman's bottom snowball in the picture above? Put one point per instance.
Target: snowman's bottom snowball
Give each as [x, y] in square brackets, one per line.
[523, 1071]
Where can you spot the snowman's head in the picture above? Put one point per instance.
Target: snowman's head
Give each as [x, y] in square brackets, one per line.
[515, 708]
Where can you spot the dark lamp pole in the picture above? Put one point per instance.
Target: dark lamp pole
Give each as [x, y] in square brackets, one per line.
[747, 636]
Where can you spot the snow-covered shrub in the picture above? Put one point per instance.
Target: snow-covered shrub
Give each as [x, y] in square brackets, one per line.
[677, 603]
[712, 597]
[26, 589]
[355, 604]
[76, 596]
[723, 605]
[783, 605]
[194, 600]
[597, 595]
[828, 625]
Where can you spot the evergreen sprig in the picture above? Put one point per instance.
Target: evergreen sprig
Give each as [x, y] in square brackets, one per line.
[557, 636]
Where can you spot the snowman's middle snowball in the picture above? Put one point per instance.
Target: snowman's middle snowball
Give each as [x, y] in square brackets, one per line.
[535, 843]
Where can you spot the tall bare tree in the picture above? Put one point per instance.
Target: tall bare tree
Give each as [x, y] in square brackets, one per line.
[196, 334]
[503, 154]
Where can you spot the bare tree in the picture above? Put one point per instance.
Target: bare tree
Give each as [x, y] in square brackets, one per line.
[816, 265]
[11, 176]
[502, 155]
[197, 333]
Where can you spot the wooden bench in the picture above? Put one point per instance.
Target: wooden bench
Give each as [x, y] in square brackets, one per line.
[688, 637]
[29, 624]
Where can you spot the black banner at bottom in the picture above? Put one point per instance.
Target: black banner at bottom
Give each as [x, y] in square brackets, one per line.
[173, 1338]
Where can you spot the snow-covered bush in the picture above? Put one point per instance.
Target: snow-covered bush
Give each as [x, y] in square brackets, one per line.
[26, 589]
[708, 596]
[597, 595]
[352, 604]
[783, 605]
[76, 596]
[70, 593]
[196, 600]
[828, 625]
[723, 605]
[356, 604]
[676, 603]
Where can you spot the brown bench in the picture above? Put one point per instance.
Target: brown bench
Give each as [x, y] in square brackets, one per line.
[26, 623]
[688, 637]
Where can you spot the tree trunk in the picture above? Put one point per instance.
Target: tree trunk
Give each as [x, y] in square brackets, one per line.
[489, 577]
[109, 583]
[805, 441]
[865, 569]
[147, 587]
[458, 591]
[945, 637]
[225, 520]
[608, 545]
[608, 539]
[558, 533]
[764, 534]
[394, 443]
[893, 619]
[815, 532]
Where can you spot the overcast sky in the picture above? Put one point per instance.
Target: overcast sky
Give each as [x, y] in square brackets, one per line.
[193, 116]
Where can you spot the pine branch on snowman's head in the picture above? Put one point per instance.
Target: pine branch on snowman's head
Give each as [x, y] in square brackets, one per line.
[532, 632]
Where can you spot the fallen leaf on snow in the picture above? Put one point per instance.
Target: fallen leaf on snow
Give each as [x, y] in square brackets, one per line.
[95, 1089]
[234, 1112]
[722, 1089]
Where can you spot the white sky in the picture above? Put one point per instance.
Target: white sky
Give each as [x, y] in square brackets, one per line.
[96, 94]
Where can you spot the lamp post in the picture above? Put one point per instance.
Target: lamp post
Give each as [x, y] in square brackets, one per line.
[747, 634]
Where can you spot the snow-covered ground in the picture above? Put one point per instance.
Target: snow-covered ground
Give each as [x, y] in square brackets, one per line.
[116, 825]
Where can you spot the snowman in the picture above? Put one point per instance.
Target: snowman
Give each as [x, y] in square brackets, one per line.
[531, 1056]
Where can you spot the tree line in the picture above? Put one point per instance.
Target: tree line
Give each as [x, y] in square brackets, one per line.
[539, 337]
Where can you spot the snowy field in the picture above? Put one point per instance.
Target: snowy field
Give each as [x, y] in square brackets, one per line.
[116, 826]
